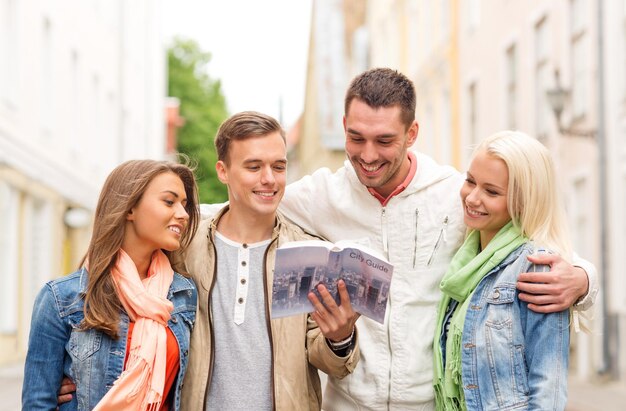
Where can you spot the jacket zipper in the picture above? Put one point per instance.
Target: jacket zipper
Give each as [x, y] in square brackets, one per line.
[383, 218]
[442, 236]
[268, 321]
[417, 214]
[208, 382]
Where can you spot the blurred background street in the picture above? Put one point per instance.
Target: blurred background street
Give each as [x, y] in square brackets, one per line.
[107, 81]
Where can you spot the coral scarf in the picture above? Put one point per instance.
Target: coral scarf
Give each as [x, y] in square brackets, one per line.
[140, 386]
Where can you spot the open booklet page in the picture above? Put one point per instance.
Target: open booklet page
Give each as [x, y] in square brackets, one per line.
[302, 265]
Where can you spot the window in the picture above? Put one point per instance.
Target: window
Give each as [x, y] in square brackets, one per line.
[445, 138]
[8, 52]
[511, 88]
[75, 104]
[47, 81]
[579, 214]
[542, 78]
[621, 215]
[361, 49]
[624, 44]
[9, 240]
[472, 101]
[427, 126]
[332, 74]
[445, 19]
[474, 14]
[579, 57]
[40, 247]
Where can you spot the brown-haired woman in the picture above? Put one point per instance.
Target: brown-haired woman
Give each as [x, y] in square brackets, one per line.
[120, 326]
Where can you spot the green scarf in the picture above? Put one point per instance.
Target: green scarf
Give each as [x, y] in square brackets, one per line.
[467, 269]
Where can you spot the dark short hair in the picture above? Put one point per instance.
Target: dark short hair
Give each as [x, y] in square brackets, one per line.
[242, 126]
[384, 87]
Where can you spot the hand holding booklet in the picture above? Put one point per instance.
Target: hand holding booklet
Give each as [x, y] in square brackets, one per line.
[302, 265]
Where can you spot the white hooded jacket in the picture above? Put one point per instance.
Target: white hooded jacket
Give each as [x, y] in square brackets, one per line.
[419, 230]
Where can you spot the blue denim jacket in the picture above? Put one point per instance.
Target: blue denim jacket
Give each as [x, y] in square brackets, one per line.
[513, 358]
[92, 359]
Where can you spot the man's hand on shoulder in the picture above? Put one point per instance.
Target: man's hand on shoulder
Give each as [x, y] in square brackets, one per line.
[553, 291]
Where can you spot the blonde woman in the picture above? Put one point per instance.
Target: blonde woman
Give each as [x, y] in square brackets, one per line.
[491, 351]
[120, 326]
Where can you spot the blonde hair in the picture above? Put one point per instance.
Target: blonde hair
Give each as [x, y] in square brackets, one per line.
[534, 200]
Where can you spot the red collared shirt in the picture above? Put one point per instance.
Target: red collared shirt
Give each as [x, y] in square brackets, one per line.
[402, 186]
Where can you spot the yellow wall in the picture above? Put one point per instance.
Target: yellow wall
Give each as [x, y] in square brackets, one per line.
[62, 250]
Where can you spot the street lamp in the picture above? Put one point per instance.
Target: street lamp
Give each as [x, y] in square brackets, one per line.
[557, 98]
[77, 217]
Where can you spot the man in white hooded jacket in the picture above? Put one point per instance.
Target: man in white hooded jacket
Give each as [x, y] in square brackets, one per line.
[406, 206]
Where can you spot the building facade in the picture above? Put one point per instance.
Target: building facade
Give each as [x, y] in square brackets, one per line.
[338, 49]
[82, 88]
[511, 55]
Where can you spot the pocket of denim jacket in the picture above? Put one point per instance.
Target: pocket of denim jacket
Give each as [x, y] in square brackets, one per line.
[83, 344]
[502, 294]
[499, 306]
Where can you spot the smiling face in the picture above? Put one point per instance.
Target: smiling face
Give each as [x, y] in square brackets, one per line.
[159, 219]
[256, 174]
[484, 196]
[376, 144]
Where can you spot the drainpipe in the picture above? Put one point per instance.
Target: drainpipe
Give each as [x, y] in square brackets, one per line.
[610, 331]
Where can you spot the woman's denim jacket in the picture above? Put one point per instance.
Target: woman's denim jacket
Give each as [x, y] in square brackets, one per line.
[92, 359]
[513, 358]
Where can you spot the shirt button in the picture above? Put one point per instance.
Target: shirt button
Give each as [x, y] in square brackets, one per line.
[174, 320]
[496, 294]
[244, 245]
[243, 263]
[243, 281]
[240, 300]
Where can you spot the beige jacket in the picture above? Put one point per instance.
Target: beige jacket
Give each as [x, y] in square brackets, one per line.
[298, 346]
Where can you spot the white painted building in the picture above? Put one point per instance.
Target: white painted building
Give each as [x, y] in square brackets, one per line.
[82, 88]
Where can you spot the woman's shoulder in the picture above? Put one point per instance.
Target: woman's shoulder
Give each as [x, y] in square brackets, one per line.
[183, 293]
[70, 284]
[530, 248]
[517, 261]
[66, 292]
[182, 283]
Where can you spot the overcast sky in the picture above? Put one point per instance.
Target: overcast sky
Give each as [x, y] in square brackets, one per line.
[259, 49]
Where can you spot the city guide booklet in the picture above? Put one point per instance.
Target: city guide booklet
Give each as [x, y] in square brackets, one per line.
[302, 265]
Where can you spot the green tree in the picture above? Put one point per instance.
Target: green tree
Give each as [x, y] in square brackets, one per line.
[203, 106]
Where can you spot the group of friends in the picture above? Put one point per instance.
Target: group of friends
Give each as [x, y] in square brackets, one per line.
[172, 311]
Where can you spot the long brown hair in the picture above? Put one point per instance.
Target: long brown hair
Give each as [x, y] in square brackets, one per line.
[122, 190]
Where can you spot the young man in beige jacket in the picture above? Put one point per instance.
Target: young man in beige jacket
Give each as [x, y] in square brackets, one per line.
[239, 358]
